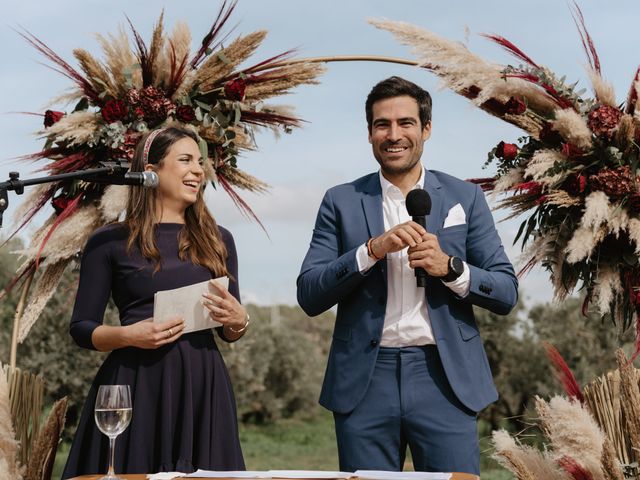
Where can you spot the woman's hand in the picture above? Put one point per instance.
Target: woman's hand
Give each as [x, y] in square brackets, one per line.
[149, 334]
[225, 309]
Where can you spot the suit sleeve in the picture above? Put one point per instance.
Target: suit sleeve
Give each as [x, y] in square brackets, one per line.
[494, 285]
[328, 274]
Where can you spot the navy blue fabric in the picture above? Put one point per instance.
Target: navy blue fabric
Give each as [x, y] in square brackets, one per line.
[409, 402]
[184, 413]
[352, 213]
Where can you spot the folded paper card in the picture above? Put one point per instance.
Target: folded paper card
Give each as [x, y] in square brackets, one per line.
[186, 302]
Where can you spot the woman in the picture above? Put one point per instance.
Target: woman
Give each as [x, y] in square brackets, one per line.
[184, 414]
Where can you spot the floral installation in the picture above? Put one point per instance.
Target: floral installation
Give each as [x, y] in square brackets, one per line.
[136, 88]
[574, 172]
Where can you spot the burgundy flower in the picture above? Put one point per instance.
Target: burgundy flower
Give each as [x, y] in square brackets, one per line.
[529, 188]
[603, 120]
[60, 203]
[185, 113]
[575, 185]
[114, 110]
[515, 106]
[615, 183]
[155, 105]
[51, 117]
[507, 151]
[571, 151]
[235, 89]
[549, 135]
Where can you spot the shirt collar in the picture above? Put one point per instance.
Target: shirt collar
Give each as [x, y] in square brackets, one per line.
[388, 187]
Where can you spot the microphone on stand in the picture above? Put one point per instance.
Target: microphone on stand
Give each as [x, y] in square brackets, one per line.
[143, 179]
[418, 204]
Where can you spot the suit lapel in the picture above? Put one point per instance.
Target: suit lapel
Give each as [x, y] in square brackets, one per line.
[434, 188]
[372, 206]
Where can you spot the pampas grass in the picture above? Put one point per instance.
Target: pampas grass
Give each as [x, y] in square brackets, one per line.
[572, 126]
[9, 446]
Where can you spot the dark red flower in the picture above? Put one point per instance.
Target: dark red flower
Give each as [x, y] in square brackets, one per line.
[571, 151]
[615, 182]
[575, 185]
[114, 110]
[507, 151]
[185, 113]
[235, 89]
[515, 106]
[604, 120]
[529, 188]
[155, 105]
[60, 203]
[51, 117]
[138, 112]
[549, 135]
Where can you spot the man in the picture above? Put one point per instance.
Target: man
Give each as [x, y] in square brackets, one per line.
[407, 365]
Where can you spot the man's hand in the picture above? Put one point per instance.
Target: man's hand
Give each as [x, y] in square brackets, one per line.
[408, 234]
[428, 255]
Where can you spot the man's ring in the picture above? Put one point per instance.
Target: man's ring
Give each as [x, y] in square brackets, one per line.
[170, 333]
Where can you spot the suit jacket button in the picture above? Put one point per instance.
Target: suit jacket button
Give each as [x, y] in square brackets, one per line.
[374, 342]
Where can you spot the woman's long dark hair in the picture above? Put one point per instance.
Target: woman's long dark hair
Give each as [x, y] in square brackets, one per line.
[200, 240]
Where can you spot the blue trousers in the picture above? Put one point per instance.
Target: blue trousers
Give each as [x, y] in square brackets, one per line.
[409, 402]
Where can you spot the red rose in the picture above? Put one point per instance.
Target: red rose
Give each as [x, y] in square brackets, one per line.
[235, 89]
[603, 120]
[185, 113]
[507, 151]
[114, 110]
[515, 106]
[51, 117]
[575, 185]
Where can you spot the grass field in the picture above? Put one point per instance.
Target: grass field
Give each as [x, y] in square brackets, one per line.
[301, 445]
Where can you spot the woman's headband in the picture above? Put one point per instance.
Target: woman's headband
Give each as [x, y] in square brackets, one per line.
[147, 144]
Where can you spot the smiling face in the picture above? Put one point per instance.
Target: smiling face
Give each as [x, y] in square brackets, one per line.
[181, 177]
[397, 136]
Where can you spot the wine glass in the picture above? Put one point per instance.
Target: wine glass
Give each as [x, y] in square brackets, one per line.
[112, 414]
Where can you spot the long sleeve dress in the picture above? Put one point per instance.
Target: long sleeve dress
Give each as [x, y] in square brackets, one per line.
[184, 412]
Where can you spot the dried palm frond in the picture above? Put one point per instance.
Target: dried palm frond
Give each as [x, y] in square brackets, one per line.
[43, 452]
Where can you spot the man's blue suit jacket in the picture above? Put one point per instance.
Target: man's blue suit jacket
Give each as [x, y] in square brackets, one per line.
[352, 213]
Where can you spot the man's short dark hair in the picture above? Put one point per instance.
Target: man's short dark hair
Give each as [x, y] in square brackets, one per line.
[396, 87]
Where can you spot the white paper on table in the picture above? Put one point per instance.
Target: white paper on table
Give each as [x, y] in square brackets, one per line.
[186, 302]
[165, 475]
[385, 475]
[230, 474]
[309, 474]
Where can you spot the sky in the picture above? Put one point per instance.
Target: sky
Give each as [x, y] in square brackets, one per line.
[332, 146]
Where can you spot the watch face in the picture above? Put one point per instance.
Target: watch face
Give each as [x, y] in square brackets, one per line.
[456, 265]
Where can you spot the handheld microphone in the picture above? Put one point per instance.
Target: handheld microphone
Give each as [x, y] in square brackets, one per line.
[418, 204]
[143, 179]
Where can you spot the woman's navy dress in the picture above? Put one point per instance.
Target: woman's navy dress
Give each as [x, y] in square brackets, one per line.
[184, 413]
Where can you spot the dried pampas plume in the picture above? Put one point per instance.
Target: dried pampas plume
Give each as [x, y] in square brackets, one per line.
[9, 446]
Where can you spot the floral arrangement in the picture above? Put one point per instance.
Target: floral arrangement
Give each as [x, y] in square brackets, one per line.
[574, 172]
[137, 88]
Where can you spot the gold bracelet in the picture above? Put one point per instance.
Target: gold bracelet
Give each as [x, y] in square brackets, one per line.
[246, 324]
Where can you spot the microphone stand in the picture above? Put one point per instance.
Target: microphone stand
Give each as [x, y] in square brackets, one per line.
[90, 175]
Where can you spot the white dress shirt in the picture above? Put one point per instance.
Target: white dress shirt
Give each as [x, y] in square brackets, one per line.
[406, 320]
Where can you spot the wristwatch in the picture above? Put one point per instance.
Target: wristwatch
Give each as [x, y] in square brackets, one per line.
[456, 268]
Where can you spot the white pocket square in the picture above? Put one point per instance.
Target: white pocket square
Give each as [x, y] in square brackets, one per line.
[456, 216]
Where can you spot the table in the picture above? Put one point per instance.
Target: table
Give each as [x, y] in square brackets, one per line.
[142, 476]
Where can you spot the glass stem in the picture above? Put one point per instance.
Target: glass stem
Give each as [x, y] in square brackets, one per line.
[112, 449]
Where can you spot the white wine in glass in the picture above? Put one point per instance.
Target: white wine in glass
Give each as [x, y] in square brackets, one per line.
[112, 414]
